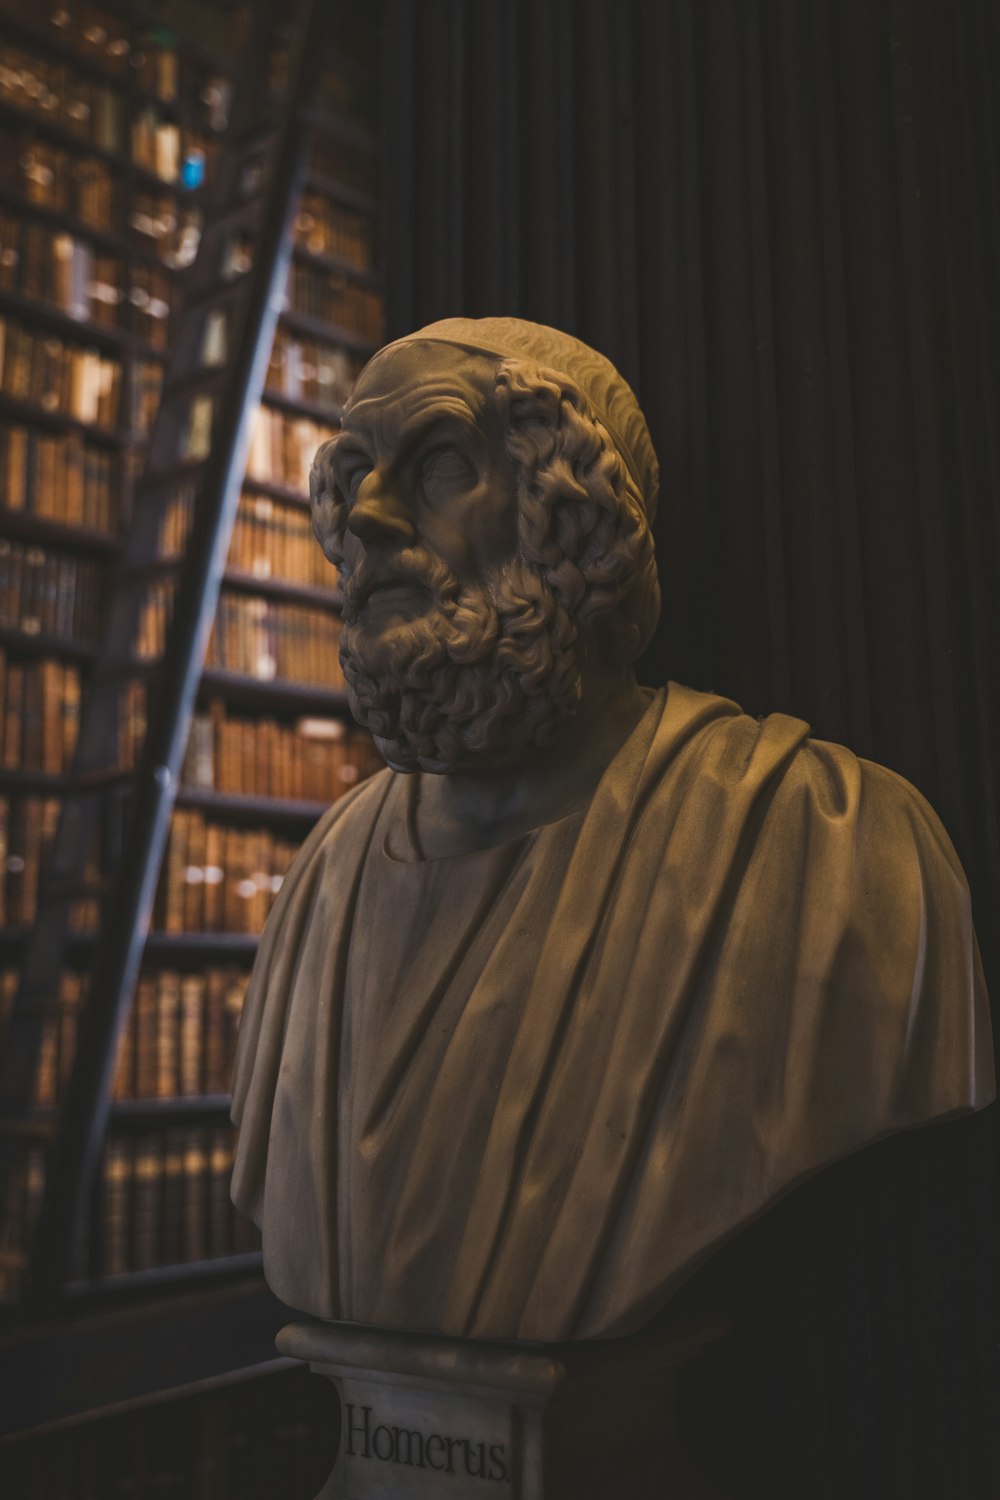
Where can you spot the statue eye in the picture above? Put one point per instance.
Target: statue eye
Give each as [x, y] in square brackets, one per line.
[446, 470]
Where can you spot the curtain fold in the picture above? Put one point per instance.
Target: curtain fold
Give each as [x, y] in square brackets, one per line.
[781, 219]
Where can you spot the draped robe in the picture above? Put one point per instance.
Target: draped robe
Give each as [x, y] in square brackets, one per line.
[522, 1093]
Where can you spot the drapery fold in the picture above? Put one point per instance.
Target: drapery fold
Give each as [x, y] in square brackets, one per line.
[522, 1092]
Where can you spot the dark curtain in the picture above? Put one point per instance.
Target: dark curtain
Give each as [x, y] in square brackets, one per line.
[782, 222]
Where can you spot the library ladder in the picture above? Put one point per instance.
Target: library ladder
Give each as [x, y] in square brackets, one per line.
[198, 445]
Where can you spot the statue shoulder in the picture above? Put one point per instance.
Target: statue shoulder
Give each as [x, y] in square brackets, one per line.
[872, 815]
[874, 834]
[893, 817]
[773, 765]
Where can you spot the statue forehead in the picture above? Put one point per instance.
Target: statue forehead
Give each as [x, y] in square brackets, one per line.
[457, 359]
[420, 375]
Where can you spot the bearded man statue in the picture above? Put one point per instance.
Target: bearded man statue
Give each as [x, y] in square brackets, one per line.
[593, 975]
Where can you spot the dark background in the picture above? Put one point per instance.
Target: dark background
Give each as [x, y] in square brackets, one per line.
[780, 220]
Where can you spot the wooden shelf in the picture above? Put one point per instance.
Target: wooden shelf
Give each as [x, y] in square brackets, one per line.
[137, 1341]
[27, 526]
[337, 266]
[348, 131]
[199, 948]
[247, 1263]
[36, 1125]
[329, 187]
[148, 17]
[285, 589]
[13, 939]
[182, 950]
[32, 414]
[80, 330]
[329, 415]
[244, 808]
[325, 332]
[302, 697]
[128, 1115]
[23, 644]
[49, 39]
[281, 492]
[139, 249]
[190, 1109]
[47, 783]
[55, 131]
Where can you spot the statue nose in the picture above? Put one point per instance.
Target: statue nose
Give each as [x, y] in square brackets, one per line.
[379, 515]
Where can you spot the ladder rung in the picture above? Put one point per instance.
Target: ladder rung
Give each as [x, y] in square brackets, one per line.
[215, 293]
[241, 211]
[204, 378]
[152, 569]
[118, 671]
[181, 472]
[73, 887]
[247, 139]
[27, 1128]
[28, 1009]
[96, 779]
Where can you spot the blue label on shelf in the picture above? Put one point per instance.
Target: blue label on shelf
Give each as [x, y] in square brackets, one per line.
[193, 170]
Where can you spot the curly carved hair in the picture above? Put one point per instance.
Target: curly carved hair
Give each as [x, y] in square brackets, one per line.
[582, 523]
[581, 519]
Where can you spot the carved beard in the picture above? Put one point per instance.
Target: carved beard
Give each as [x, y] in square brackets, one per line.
[487, 672]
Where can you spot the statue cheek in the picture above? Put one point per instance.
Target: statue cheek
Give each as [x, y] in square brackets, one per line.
[487, 523]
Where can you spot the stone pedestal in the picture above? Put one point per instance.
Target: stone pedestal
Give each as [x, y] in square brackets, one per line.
[429, 1418]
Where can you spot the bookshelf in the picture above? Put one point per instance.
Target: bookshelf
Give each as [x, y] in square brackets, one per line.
[109, 118]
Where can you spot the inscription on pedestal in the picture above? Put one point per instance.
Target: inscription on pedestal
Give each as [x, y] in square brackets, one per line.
[448, 1419]
[405, 1441]
[365, 1436]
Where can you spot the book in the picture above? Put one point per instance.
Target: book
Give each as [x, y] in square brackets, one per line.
[60, 1023]
[59, 90]
[19, 1211]
[282, 448]
[308, 370]
[333, 297]
[323, 227]
[86, 233]
[266, 638]
[59, 376]
[39, 709]
[313, 759]
[273, 539]
[48, 592]
[29, 822]
[164, 1200]
[252, 861]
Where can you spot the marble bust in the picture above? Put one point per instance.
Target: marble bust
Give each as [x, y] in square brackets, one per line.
[590, 976]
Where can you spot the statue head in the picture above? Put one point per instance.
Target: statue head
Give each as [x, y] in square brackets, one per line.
[488, 502]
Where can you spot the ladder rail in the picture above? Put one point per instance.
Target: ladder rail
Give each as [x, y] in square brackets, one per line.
[76, 829]
[84, 1115]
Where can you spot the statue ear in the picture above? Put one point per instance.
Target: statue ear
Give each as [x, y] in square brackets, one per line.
[329, 509]
[321, 472]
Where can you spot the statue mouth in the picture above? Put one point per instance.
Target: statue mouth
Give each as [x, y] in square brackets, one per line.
[385, 597]
[406, 581]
